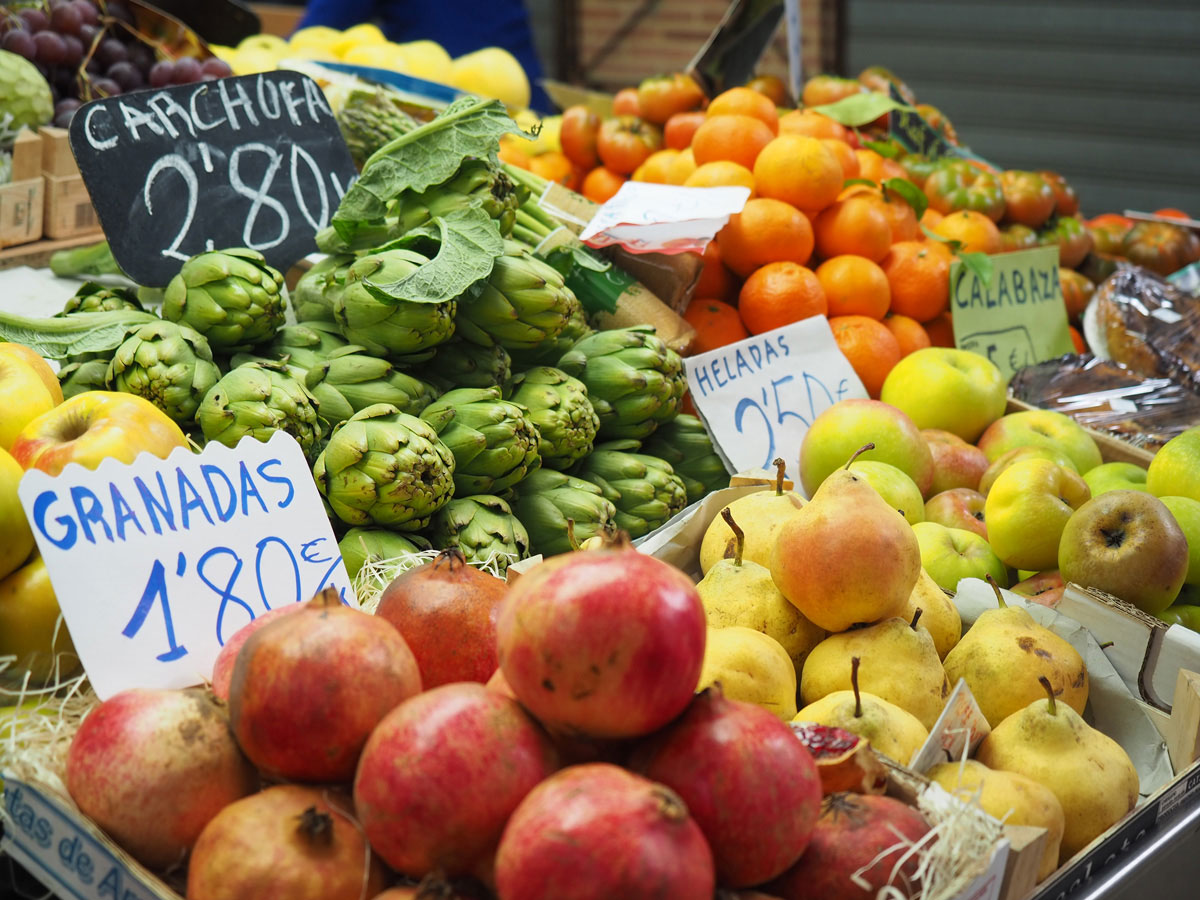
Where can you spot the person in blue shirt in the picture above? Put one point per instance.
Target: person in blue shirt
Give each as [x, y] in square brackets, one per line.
[458, 25]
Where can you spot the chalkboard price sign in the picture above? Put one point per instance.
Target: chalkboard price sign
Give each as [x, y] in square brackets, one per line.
[255, 161]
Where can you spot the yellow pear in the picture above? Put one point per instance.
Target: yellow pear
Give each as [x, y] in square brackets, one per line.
[900, 664]
[846, 557]
[750, 667]
[939, 614]
[30, 630]
[740, 592]
[1010, 797]
[892, 731]
[761, 514]
[1004, 654]
[1090, 774]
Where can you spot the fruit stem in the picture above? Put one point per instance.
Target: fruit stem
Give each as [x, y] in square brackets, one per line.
[1045, 682]
[916, 618]
[738, 534]
[327, 597]
[854, 661]
[859, 452]
[452, 555]
[316, 826]
[571, 539]
[780, 468]
[996, 588]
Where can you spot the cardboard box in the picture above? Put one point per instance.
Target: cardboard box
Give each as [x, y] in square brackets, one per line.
[21, 200]
[69, 211]
[26, 156]
[57, 158]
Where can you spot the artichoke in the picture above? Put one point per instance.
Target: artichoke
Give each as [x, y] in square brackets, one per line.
[258, 399]
[644, 489]
[558, 405]
[78, 377]
[458, 364]
[360, 545]
[305, 345]
[546, 499]
[685, 444]
[382, 324]
[494, 442]
[94, 297]
[548, 353]
[351, 381]
[634, 380]
[168, 364]
[483, 528]
[385, 467]
[521, 304]
[312, 300]
[232, 297]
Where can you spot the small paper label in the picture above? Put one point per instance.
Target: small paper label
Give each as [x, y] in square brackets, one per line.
[1121, 405]
[955, 734]
[663, 218]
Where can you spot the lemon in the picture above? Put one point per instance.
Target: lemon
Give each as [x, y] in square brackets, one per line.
[382, 56]
[315, 54]
[252, 61]
[492, 72]
[314, 36]
[267, 42]
[220, 51]
[750, 667]
[356, 36]
[425, 59]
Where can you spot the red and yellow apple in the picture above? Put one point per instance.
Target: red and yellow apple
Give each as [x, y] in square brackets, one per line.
[28, 388]
[952, 554]
[1045, 588]
[958, 508]
[1042, 428]
[1187, 516]
[1006, 459]
[952, 390]
[897, 489]
[1027, 509]
[1115, 476]
[16, 537]
[29, 628]
[956, 464]
[1175, 469]
[92, 427]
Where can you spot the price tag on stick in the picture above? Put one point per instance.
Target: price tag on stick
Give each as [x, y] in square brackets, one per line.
[256, 161]
[157, 563]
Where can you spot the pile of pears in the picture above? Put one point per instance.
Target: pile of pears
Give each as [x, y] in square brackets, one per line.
[820, 612]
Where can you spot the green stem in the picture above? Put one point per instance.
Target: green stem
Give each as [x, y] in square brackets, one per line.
[525, 220]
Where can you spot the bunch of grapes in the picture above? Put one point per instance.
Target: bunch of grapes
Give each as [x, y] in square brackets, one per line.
[87, 49]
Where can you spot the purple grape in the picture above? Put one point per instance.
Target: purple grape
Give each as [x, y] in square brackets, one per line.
[161, 73]
[120, 11]
[111, 51]
[126, 75]
[87, 34]
[66, 105]
[88, 13]
[19, 42]
[51, 48]
[216, 67]
[187, 71]
[74, 51]
[63, 119]
[105, 87]
[94, 67]
[141, 56]
[65, 19]
[35, 19]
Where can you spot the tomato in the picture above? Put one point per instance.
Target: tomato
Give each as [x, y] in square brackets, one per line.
[1066, 201]
[770, 86]
[937, 121]
[1028, 198]
[1076, 291]
[1073, 239]
[879, 79]
[1160, 247]
[1107, 237]
[822, 89]
[958, 185]
[580, 127]
[625, 102]
[677, 133]
[662, 96]
[1171, 212]
[917, 167]
[626, 142]
[1017, 237]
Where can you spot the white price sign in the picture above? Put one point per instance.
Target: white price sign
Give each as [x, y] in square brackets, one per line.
[662, 218]
[759, 396]
[157, 563]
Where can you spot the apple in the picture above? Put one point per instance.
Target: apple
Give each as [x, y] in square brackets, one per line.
[1189, 594]
[1115, 476]
[1045, 588]
[952, 554]
[1027, 509]
[1006, 459]
[94, 426]
[25, 390]
[1187, 516]
[958, 508]
[16, 537]
[1043, 428]
[1182, 614]
[29, 628]
[897, 489]
[1175, 469]
[1126, 543]
[956, 464]
[838, 433]
[952, 390]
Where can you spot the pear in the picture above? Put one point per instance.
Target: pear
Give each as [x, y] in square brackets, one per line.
[740, 592]
[751, 667]
[889, 729]
[902, 667]
[940, 619]
[1002, 657]
[1090, 774]
[761, 513]
[1010, 797]
[846, 557]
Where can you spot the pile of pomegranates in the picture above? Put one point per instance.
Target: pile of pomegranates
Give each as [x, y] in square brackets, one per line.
[477, 740]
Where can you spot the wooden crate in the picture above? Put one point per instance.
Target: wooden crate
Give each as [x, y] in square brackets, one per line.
[57, 158]
[69, 211]
[21, 213]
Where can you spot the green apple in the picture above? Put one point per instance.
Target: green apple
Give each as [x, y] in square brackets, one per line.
[952, 390]
[16, 538]
[1042, 428]
[1027, 509]
[1182, 614]
[837, 434]
[1175, 469]
[952, 554]
[958, 508]
[1007, 458]
[1187, 516]
[1115, 476]
[956, 464]
[897, 489]
[1126, 543]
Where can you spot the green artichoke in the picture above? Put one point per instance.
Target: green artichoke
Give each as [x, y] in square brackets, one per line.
[558, 405]
[459, 364]
[494, 442]
[483, 528]
[258, 399]
[523, 303]
[635, 381]
[350, 381]
[360, 545]
[232, 297]
[385, 467]
[685, 444]
[78, 377]
[312, 300]
[384, 325]
[546, 499]
[305, 345]
[549, 352]
[644, 489]
[168, 364]
[94, 297]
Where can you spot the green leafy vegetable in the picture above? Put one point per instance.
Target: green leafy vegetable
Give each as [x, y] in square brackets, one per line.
[78, 333]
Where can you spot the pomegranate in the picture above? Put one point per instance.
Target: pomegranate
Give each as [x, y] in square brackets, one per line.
[222, 672]
[750, 785]
[447, 611]
[441, 774]
[289, 841]
[153, 767]
[309, 687]
[845, 761]
[595, 832]
[852, 836]
[608, 643]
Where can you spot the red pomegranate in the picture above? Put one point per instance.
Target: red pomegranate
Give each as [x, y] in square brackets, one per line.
[289, 841]
[442, 773]
[598, 832]
[750, 785]
[222, 673]
[852, 837]
[153, 767]
[446, 610]
[845, 761]
[608, 643]
[309, 687]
